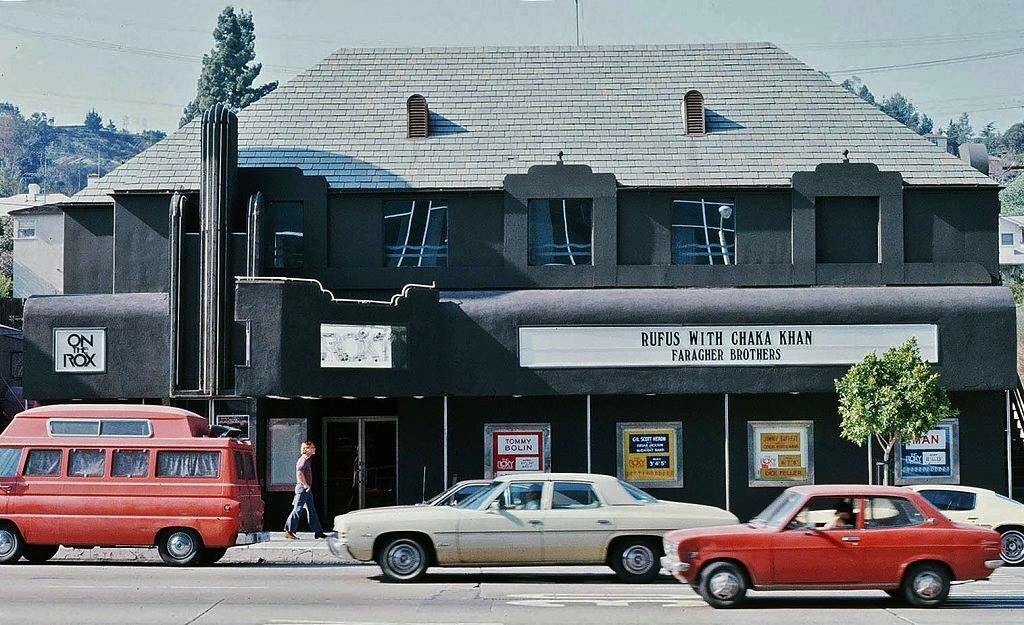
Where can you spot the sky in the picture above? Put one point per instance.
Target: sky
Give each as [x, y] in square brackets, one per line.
[137, 61]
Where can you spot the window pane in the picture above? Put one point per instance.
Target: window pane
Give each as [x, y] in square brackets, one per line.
[287, 229]
[560, 232]
[239, 466]
[703, 232]
[416, 233]
[43, 462]
[124, 428]
[285, 437]
[1007, 238]
[827, 513]
[188, 464]
[522, 496]
[85, 463]
[888, 512]
[846, 230]
[130, 463]
[74, 428]
[573, 495]
[947, 500]
[9, 457]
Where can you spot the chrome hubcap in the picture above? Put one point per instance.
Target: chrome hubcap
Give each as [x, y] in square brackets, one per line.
[8, 543]
[180, 545]
[724, 585]
[927, 585]
[404, 559]
[1013, 547]
[638, 559]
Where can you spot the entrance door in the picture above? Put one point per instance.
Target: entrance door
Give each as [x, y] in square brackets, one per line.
[360, 457]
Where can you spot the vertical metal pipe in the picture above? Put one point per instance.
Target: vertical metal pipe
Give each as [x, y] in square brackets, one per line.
[588, 433]
[174, 295]
[1009, 448]
[871, 462]
[728, 499]
[444, 443]
[254, 232]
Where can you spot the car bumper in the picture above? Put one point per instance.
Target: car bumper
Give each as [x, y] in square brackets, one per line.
[251, 538]
[340, 549]
[993, 564]
[674, 566]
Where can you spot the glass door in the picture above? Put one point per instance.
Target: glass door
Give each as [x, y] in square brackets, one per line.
[360, 457]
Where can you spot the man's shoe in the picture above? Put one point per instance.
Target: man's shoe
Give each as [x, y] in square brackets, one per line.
[319, 535]
[290, 536]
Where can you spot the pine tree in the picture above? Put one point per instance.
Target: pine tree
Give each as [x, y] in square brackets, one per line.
[230, 68]
[93, 121]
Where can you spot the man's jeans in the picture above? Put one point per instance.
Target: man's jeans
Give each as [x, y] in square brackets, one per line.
[303, 499]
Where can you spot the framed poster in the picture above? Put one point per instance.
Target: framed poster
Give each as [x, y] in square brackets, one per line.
[780, 453]
[650, 454]
[79, 350]
[933, 457]
[516, 448]
[241, 422]
[284, 438]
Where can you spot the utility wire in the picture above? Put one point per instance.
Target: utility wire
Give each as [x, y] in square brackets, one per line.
[930, 63]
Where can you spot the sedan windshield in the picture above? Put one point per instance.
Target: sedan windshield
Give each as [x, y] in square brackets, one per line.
[478, 499]
[779, 510]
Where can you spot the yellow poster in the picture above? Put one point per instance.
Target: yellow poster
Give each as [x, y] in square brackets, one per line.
[649, 455]
[781, 452]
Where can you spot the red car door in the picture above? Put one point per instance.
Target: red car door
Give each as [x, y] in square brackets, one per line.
[893, 533]
[812, 549]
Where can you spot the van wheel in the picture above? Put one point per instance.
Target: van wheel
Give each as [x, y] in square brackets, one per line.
[37, 554]
[181, 547]
[723, 585]
[925, 585]
[213, 556]
[636, 560]
[11, 544]
[403, 560]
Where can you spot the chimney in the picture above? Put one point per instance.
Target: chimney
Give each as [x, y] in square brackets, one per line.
[33, 192]
[975, 155]
[91, 180]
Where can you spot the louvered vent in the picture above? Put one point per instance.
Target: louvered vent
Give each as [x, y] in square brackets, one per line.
[693, 112]
[419, 117]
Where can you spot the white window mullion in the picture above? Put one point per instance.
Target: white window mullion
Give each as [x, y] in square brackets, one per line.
[565, 223]
[426, 229]
[707, 237]
[408, 230]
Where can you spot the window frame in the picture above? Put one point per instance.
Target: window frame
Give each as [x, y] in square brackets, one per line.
[73, 450]
[1002, 239]
[17, 463]
[60, 464]
[149, 463]
[961, 493]
[217, 453]
[597, 496]
[21, 224]
[99, 428]
[703, 202]
[864, 513]
[530, 239]
[442, 252]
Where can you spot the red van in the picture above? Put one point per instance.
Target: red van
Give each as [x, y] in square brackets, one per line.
[92, 475]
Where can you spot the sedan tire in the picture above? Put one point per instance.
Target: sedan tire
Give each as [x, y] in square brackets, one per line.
[1012, 550]
[636, 561]
[723, 585]
[403, 560]
[925, 585]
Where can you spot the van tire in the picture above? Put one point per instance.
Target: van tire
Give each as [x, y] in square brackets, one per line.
[180, 547]
[213, 556]
[37, 554]
[12, 545]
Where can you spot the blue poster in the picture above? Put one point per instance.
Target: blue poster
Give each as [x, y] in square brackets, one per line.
[931, 456]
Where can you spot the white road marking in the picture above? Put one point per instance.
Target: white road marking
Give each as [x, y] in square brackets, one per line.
[610, 600]
[141, 586]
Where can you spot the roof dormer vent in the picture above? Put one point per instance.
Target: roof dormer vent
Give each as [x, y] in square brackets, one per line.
[693, 113]
[419, 117]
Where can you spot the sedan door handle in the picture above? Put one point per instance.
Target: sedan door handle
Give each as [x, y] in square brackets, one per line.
[604, 521]
[535, 522]
[6, 487]
[850, 539]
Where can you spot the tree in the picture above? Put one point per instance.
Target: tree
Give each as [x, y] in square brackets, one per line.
[93, 121]
[898, 107]
[6, 255]
[960, 131]
[890, 398]
[1011, 199]
[1013, 139]
[990, 137]
[229, 69]
[858, 88]
[926, 125]
[111, 127]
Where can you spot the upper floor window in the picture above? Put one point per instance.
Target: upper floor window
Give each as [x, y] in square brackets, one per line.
[26, 229]
[415, 233]
[703, 232]
[561, 232]
[1007, 238]
[847, 230]
[286, 228]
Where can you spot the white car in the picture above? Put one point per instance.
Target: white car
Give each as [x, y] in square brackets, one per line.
[521, 520]
[980, 506]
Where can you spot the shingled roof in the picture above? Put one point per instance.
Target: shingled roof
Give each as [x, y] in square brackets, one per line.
[496, 111]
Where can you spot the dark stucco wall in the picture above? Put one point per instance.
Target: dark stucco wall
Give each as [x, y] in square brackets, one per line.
[137, 355]
[141, 259]
[89, 250]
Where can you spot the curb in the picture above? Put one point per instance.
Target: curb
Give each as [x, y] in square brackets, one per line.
[277, 551]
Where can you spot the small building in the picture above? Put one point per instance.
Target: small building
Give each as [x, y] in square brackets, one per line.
[1011, 245]
[440, 264]
[38, 227]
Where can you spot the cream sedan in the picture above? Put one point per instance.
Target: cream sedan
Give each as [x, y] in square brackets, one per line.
[521, 520]
[987, 508]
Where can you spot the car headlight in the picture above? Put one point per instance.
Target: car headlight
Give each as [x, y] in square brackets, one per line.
[690, 555]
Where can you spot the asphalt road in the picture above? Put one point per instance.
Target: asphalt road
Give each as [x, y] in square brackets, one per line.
[227, 594]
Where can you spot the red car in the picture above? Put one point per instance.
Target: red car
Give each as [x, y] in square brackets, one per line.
[835, 537]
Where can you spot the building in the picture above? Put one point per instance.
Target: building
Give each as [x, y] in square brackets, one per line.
[38, 241]
[650, 261]
[1011, 244]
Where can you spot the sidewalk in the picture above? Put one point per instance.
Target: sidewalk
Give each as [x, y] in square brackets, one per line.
[278, 551]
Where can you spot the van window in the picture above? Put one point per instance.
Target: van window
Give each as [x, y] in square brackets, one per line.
[86, 462]
[98, 427]
[240, 473]
[43, 462]
[130, 463]
[188, 464]
[250, 467]
[74, 428]
[122, 427]
[9, 457]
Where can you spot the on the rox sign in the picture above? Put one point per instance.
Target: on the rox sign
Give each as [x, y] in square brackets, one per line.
[79, 350]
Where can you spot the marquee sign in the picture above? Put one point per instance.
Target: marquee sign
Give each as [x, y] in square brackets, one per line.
[344, 346]
[79, 350]
[516, 448]
[715, 346]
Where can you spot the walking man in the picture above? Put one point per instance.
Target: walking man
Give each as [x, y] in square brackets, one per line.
[304, 495]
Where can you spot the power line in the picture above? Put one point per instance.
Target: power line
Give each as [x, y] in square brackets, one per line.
[930, 63]
[902, 42]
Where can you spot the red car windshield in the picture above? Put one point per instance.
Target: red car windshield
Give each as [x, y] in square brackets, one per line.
[779, 510]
